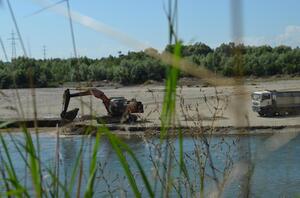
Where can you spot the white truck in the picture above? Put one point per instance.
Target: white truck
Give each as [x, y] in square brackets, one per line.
[270, 103]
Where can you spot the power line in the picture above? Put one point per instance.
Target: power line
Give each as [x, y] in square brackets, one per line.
[45, 8]
[70, 21]
[3, 49]
[29, 48]
[72, 29]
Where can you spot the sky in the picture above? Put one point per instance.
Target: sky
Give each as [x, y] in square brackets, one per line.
[106, 27]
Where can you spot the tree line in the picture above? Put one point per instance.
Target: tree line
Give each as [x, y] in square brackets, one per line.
[138, 67]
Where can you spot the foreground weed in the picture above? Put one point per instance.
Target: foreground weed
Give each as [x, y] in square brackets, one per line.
[118, 146]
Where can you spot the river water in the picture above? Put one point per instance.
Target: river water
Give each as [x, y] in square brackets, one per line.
[275, 172]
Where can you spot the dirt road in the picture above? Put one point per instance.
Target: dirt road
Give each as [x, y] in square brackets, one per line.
[220, 106]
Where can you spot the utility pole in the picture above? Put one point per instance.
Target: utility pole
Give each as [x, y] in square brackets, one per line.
[44, 51]
[13, 45]
[3, 49]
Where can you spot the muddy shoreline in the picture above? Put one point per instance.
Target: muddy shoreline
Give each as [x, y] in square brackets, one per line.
[124, 130]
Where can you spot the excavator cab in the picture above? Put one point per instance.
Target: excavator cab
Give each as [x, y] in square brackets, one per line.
[135, 106]
[117, 106]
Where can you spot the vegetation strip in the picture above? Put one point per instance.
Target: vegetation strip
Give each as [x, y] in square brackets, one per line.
[140, 67]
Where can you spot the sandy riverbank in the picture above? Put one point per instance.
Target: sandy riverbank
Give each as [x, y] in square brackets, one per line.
[197, 105]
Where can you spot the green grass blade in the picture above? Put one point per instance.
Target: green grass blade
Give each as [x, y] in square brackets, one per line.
[90, 186]
[138, 164]
[75, 169]
[14, 193]
[80, 178]
[124, 163]
[169, 108]
[3, 175]
[57, 181]
[182, 165]
[34, 164]
[11, 171]
[11, 167]
[18, 149]
[169, 103]
[5, 124]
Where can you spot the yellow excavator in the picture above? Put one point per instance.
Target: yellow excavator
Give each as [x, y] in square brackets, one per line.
[118, 108]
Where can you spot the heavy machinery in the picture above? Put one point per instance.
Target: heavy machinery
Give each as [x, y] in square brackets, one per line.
[270, 103]
[118, 108]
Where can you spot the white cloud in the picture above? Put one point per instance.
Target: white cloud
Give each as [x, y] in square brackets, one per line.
[290, 37]
[256, 41]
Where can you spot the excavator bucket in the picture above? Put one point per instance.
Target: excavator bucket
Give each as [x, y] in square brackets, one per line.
[65, 115]
[69, 115]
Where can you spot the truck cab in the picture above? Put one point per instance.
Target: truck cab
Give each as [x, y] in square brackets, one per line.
[262, 102]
